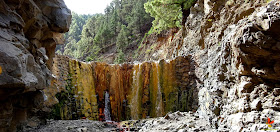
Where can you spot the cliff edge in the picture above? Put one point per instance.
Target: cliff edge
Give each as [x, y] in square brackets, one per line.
[29, 33]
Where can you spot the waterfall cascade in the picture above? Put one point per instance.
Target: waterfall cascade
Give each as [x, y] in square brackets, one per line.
[129, 91]
[107, 107]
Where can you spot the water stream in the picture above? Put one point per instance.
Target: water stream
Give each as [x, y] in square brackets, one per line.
[129, 91]
[159, 102]
[107, 107]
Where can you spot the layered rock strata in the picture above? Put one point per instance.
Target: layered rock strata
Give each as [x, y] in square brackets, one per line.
[136, 91]
[233, 56]
[237, 54]
[29, 32]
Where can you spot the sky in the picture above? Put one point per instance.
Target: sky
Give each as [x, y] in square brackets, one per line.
[87, 6]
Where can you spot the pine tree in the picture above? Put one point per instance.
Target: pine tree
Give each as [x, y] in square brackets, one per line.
[136, 19]
[122, 40]
[74, 35]
[120, 58]
[168, 13]
[125, 22]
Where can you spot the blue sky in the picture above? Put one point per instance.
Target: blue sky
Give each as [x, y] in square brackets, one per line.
[87, 6]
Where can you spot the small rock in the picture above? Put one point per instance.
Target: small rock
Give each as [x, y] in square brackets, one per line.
[243, 87]
[167, 117]
[165, 128]
[82, 129]
[179, 113]
[268, 104]
[276, 91]
[181, 130]
[256, 104]
[191, 125]
[32, 124]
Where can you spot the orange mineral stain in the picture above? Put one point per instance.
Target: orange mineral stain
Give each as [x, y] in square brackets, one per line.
[0, 70]
[136, 91]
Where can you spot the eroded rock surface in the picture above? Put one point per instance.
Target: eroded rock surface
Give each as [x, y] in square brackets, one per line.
[29, 32]
[237, 58]
[234, 48]
[233, 63]
[136, 91]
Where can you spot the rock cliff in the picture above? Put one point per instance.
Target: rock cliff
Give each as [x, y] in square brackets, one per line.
[224, 69]
[231, 51]
[29, 32]
[237, 56]
[136, 91]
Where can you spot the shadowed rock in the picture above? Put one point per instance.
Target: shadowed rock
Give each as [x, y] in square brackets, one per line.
[29, 32]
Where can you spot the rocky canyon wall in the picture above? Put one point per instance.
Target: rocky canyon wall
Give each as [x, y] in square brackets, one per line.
[236, 47]
[136, 91]
[229, 75]
[29, 32]
[226, 69]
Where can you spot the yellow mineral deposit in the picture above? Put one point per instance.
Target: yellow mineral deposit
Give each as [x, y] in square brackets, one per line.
[136, 91]
[134, 96]
[84, 83]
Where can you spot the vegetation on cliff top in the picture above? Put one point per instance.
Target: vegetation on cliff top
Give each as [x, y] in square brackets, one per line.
[168, 13]
[122, 28]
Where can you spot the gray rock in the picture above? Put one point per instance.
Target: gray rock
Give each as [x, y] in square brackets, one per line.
[276, 91]
[84, 129]
[256, 104]
[26, 48]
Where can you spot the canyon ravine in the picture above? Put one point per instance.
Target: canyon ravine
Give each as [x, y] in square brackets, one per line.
[222, 74]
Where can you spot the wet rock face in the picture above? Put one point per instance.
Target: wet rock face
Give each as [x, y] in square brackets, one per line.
[235, 47]
[29, 32]
[231, 73]
[136, 91]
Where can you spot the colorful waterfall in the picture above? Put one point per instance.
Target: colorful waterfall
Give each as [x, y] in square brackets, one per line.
[107, 113]
[130, 91]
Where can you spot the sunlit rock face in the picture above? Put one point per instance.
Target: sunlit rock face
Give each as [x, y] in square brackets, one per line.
[29, 32]
[136, 91]
[235, 48]
[230, 76]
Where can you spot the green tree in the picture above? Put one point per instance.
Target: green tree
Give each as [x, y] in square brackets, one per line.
[122, 40]
[168, 13]
[86, 46]
[74, 35]
[140, 21]
[120, 58]
[124, 24]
